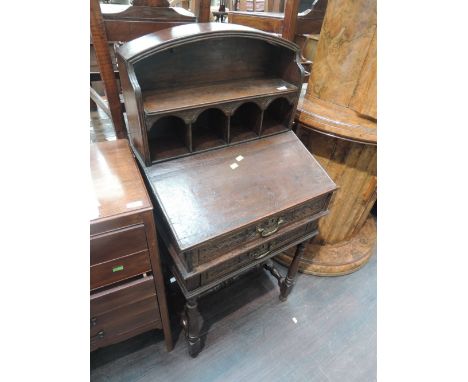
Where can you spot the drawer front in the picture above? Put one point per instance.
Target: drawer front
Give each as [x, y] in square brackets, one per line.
[293, 235]
[219, 271]
[263, 229]
[257, 253]
[119, 269]
[115, 244]
[124, 322]
[122, 295]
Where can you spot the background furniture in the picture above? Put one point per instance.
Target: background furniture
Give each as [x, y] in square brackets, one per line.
[227, 93]
[284, 19]
[112, 23]
[337, 122]
[127, 288]
[290, 24]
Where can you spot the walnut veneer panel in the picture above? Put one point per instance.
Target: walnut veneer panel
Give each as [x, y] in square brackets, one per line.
[342, 50]
[204, 197]
[334, 119]
[364, 98]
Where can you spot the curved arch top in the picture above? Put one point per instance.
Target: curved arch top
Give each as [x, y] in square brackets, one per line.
[137, 49]
[193, 69]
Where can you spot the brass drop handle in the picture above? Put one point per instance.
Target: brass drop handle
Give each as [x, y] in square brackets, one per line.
[262, 255]
[264, 233]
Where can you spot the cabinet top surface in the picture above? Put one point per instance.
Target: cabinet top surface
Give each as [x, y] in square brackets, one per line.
[161, 38]
[210, 194]
[116, 183]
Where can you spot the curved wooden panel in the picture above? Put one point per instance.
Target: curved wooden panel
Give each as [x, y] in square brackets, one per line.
[347, 32]
[353, 167]
[165, 39]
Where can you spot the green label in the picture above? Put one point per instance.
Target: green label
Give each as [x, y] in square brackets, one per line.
[119, 268]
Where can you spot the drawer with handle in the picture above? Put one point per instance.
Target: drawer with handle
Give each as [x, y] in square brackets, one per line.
[263, 229]
[119, 296]
[114, 244]
[259, 252]
[123, 311]
[124, 322]
[119, 269]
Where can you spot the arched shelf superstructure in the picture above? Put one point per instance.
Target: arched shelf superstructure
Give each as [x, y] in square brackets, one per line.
[198, 76]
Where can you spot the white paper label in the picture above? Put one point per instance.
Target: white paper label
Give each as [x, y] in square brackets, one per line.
[135, 204]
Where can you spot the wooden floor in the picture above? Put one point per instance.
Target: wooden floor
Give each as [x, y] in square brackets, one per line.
[325, 331]
[251, 335]
[101, 127]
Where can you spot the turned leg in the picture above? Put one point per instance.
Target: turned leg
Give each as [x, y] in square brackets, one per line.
[287, 283]
[191, 325]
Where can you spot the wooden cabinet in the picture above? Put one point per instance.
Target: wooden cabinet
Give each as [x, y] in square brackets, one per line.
[211, 124]
[127, 288]
[182, 98]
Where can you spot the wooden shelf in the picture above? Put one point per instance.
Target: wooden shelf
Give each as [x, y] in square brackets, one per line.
[167, 147]
[276, 117]
[271, 126]
[176, 99]
[241, 133]
[245, 122]
[167, 138]
[206, 140]
[209, 130]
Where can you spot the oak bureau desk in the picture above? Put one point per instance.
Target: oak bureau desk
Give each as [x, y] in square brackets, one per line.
[210, 109]
[127, 288]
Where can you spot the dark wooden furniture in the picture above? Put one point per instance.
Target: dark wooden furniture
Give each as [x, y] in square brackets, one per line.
[288, 23]
[183, 98]
[115, 23]
[127, 288]
[210, 108]
[127, 22]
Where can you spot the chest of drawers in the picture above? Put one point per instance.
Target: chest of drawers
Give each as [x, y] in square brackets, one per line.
[127, 289]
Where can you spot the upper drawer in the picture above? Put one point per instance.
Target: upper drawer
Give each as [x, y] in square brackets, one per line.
[259, 230]
[257, 253]
[115, 244]
[120, 269]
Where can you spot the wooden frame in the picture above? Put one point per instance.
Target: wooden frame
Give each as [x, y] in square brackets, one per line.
[201, 84]
[288, 24]
[130, 22]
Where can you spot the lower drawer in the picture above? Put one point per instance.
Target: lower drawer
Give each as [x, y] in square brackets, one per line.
[122, 295]
[124, 322]
[257, 253]
[277, 223]
[119, 269]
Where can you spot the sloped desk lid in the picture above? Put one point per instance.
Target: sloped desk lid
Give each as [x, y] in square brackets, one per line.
[207, 195]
